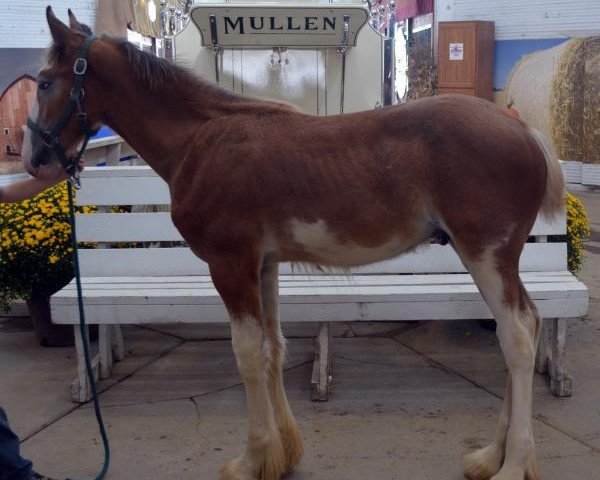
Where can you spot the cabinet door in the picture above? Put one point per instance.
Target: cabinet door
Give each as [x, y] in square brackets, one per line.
[463, 91]
[458, 56]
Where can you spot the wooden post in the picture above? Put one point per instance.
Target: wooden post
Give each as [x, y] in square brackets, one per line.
[322, 366]
[81, 390]
[105, 350]
[541, 359]
[118, 347]
[561, 384]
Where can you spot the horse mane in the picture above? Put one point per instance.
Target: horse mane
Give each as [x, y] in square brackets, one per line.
[157, 73]
[160, 75]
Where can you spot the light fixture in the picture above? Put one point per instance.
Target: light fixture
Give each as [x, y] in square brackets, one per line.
[151, 10]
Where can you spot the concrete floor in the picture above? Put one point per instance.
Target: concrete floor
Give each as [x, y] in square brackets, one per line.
[409, 399]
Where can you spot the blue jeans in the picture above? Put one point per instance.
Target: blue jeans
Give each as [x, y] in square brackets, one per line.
[12, 465]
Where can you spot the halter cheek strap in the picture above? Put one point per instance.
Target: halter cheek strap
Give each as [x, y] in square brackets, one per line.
[50, 138]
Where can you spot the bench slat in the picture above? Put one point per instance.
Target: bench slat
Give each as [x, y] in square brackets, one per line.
[127, 227]
[142, 262]
[311, 312]
[312, 293]
[123, 185]
[286, 281]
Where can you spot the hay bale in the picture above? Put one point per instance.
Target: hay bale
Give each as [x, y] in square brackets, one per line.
[591, 101]
[529, 86]
[566, 102]
[557, 91]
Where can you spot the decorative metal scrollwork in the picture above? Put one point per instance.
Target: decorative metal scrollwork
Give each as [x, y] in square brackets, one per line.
[174, 16]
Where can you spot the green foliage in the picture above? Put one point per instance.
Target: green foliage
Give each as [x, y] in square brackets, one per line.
[577, 229]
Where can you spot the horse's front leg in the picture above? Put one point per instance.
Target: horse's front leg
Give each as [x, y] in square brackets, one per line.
[290, 436]
[238, 282]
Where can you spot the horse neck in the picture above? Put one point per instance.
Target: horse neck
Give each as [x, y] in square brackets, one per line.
[158, 123]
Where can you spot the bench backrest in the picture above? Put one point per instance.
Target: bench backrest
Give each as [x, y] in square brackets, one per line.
[140, 186]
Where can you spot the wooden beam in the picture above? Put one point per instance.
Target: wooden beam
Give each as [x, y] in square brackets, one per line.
[321, 374]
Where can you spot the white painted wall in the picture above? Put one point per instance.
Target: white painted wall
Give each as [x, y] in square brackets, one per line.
[23, 22]
[527, 19]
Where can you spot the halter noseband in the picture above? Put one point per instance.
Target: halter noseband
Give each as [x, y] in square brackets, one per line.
[51, 138]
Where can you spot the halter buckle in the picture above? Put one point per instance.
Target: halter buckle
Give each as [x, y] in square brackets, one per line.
[73, 172]
[80, 66]
[75, 180]
[77, 94]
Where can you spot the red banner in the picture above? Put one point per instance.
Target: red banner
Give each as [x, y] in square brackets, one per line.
[411, 8]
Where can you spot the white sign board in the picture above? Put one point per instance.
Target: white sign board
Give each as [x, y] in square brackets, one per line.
[457, 51]
[268, 26]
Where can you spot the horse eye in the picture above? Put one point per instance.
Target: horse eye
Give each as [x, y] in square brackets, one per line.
[42, 85]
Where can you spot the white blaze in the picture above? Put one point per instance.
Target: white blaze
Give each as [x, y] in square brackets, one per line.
[27, 147]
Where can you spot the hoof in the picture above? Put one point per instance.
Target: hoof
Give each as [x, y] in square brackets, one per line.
[262, 464]
[482, 464]
[532, 473]
[237, 470]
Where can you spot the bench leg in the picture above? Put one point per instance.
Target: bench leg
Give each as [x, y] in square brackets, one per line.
[118, 347]
[105, 350]
[321, 374]
[561, 384]
[543, 352]
[80, 388]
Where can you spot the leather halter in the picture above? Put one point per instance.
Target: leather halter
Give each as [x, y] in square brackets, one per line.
[50, 138]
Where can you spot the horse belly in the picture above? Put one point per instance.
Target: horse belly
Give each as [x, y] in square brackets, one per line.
[317, 243]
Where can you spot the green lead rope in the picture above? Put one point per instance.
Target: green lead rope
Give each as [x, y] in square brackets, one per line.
[84, 337]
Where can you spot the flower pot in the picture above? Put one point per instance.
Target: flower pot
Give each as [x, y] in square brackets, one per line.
[48, 334]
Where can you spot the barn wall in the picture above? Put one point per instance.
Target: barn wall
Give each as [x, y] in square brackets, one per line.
[531, 19]
[23, 22]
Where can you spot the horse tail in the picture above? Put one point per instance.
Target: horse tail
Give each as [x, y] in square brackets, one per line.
[554, 194]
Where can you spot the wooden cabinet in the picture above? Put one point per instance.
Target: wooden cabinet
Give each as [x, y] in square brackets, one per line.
[466, 58]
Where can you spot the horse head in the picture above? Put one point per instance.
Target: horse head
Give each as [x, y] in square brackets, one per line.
[62, 117]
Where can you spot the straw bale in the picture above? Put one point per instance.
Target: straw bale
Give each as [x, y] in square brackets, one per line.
[566, 102]
[591, 101]
[529, 86]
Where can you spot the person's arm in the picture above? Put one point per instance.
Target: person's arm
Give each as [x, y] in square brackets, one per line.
[24, 189]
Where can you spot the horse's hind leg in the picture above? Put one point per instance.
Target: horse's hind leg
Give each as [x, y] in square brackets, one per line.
[290, 436]
[238, 282]
[511, 456]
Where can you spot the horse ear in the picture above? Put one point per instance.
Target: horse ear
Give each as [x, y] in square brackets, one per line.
[74, 23]
[60, 32]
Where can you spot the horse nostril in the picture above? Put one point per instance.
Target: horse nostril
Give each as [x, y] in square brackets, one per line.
[40, 157]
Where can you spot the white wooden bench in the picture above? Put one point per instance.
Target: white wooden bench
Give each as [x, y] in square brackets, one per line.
[165, 284]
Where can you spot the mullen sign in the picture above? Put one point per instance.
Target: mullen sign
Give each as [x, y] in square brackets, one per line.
[244, 25]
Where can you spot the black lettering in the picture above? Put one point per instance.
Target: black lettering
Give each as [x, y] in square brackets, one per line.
[310, 23]
[239, 22]
[273, 27]
[291, 24]
[330, 22]
[253, 23]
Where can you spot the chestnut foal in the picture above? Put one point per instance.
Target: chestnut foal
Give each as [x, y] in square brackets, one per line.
[255, 183]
